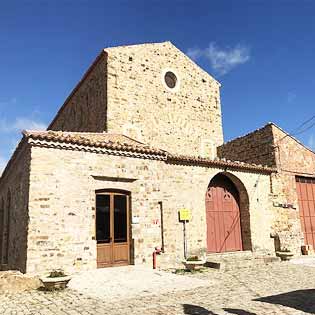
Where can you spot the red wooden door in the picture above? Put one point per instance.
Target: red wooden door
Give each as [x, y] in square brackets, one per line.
[223, 216]
[306, 197]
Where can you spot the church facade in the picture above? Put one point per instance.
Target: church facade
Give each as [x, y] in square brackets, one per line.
[139, 139]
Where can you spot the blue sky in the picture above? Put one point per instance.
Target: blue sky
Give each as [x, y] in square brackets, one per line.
[261, 51]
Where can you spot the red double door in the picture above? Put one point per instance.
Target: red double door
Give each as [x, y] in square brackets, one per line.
[223, 216]
[306, 196]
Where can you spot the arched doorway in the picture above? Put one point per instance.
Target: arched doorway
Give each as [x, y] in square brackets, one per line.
[223, 216]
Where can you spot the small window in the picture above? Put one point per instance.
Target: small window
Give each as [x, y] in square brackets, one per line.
[170, 79]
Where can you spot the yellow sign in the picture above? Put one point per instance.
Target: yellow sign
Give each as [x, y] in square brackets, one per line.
[184, 215]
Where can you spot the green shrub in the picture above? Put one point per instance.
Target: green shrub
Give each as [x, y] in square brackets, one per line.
[57, 273]
[193, 258]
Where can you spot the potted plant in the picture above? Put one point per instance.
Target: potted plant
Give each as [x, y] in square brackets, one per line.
[193, 262]
[55, 280]
[285, 254]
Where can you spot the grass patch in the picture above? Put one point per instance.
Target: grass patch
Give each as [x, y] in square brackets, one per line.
[182, 271]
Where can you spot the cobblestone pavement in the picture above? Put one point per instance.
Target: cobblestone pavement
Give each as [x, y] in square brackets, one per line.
[129, 282]
[279, 288]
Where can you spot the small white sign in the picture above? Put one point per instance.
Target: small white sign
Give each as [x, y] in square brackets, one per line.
[135, 219]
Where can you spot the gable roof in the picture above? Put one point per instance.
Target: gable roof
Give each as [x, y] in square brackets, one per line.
[104, 53]
[270, 124]
[170, 44]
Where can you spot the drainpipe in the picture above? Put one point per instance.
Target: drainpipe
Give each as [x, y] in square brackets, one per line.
[162, 226]
[157, 250]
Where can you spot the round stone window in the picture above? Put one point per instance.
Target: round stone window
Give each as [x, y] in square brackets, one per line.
[170, 79]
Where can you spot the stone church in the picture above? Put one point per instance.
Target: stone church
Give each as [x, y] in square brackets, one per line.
[139, 139]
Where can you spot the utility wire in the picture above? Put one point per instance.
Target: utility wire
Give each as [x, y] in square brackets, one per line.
[296, 131]
[303, 124]
[309, 127]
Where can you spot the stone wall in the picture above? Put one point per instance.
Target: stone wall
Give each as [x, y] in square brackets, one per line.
[293, 159]
[186, 120]
[85, 108]
[255, 147]
[62, 215]
[14, 193]
[124, 92]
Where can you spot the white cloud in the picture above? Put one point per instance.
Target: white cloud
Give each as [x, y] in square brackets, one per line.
[12, 136]
[222, 60]
[21, 124]
[194, 53]
[24, 123]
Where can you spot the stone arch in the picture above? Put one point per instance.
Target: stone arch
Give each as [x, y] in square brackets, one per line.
[243, 203]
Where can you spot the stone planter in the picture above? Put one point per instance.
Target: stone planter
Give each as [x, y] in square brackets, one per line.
[57, 283]
[193, 264]
[285, 256]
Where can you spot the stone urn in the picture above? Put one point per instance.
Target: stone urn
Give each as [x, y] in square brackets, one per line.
[193, 263]
[56, 280]
[285, 255]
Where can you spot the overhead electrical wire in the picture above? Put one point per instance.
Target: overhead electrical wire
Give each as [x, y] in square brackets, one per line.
[297, 130]
[303, 124]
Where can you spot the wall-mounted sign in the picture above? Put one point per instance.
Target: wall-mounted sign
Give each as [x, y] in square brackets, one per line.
[284, 205]
[184, 215]
[135, 219]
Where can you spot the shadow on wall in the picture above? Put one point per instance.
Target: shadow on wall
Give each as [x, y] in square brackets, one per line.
[198, 310]
[302, 300]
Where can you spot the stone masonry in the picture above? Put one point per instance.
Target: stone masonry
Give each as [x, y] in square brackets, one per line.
[14, 198]
[63, 177]
[85, 108]
[62, 216]
[123, 128]
[124, 92]
[274, 147]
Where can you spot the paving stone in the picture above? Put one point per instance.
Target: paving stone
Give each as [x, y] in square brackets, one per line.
[279, 288]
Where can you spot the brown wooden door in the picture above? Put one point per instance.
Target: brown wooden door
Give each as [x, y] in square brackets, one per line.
[306, 198]
[112, 229]
[223, 216]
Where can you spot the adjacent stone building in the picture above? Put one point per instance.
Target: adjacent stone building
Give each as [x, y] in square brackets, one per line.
[134, 143]
[292, 186]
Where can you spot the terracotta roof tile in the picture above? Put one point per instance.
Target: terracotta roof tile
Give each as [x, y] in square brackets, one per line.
[182, 159]
[121, 142]
[100, 140]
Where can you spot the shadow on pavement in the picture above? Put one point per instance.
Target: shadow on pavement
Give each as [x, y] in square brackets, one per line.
[190, 309]
[302, 300]
[238, 311]
[196, 310]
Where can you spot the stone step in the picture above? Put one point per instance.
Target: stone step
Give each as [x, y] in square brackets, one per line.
[237, 260]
